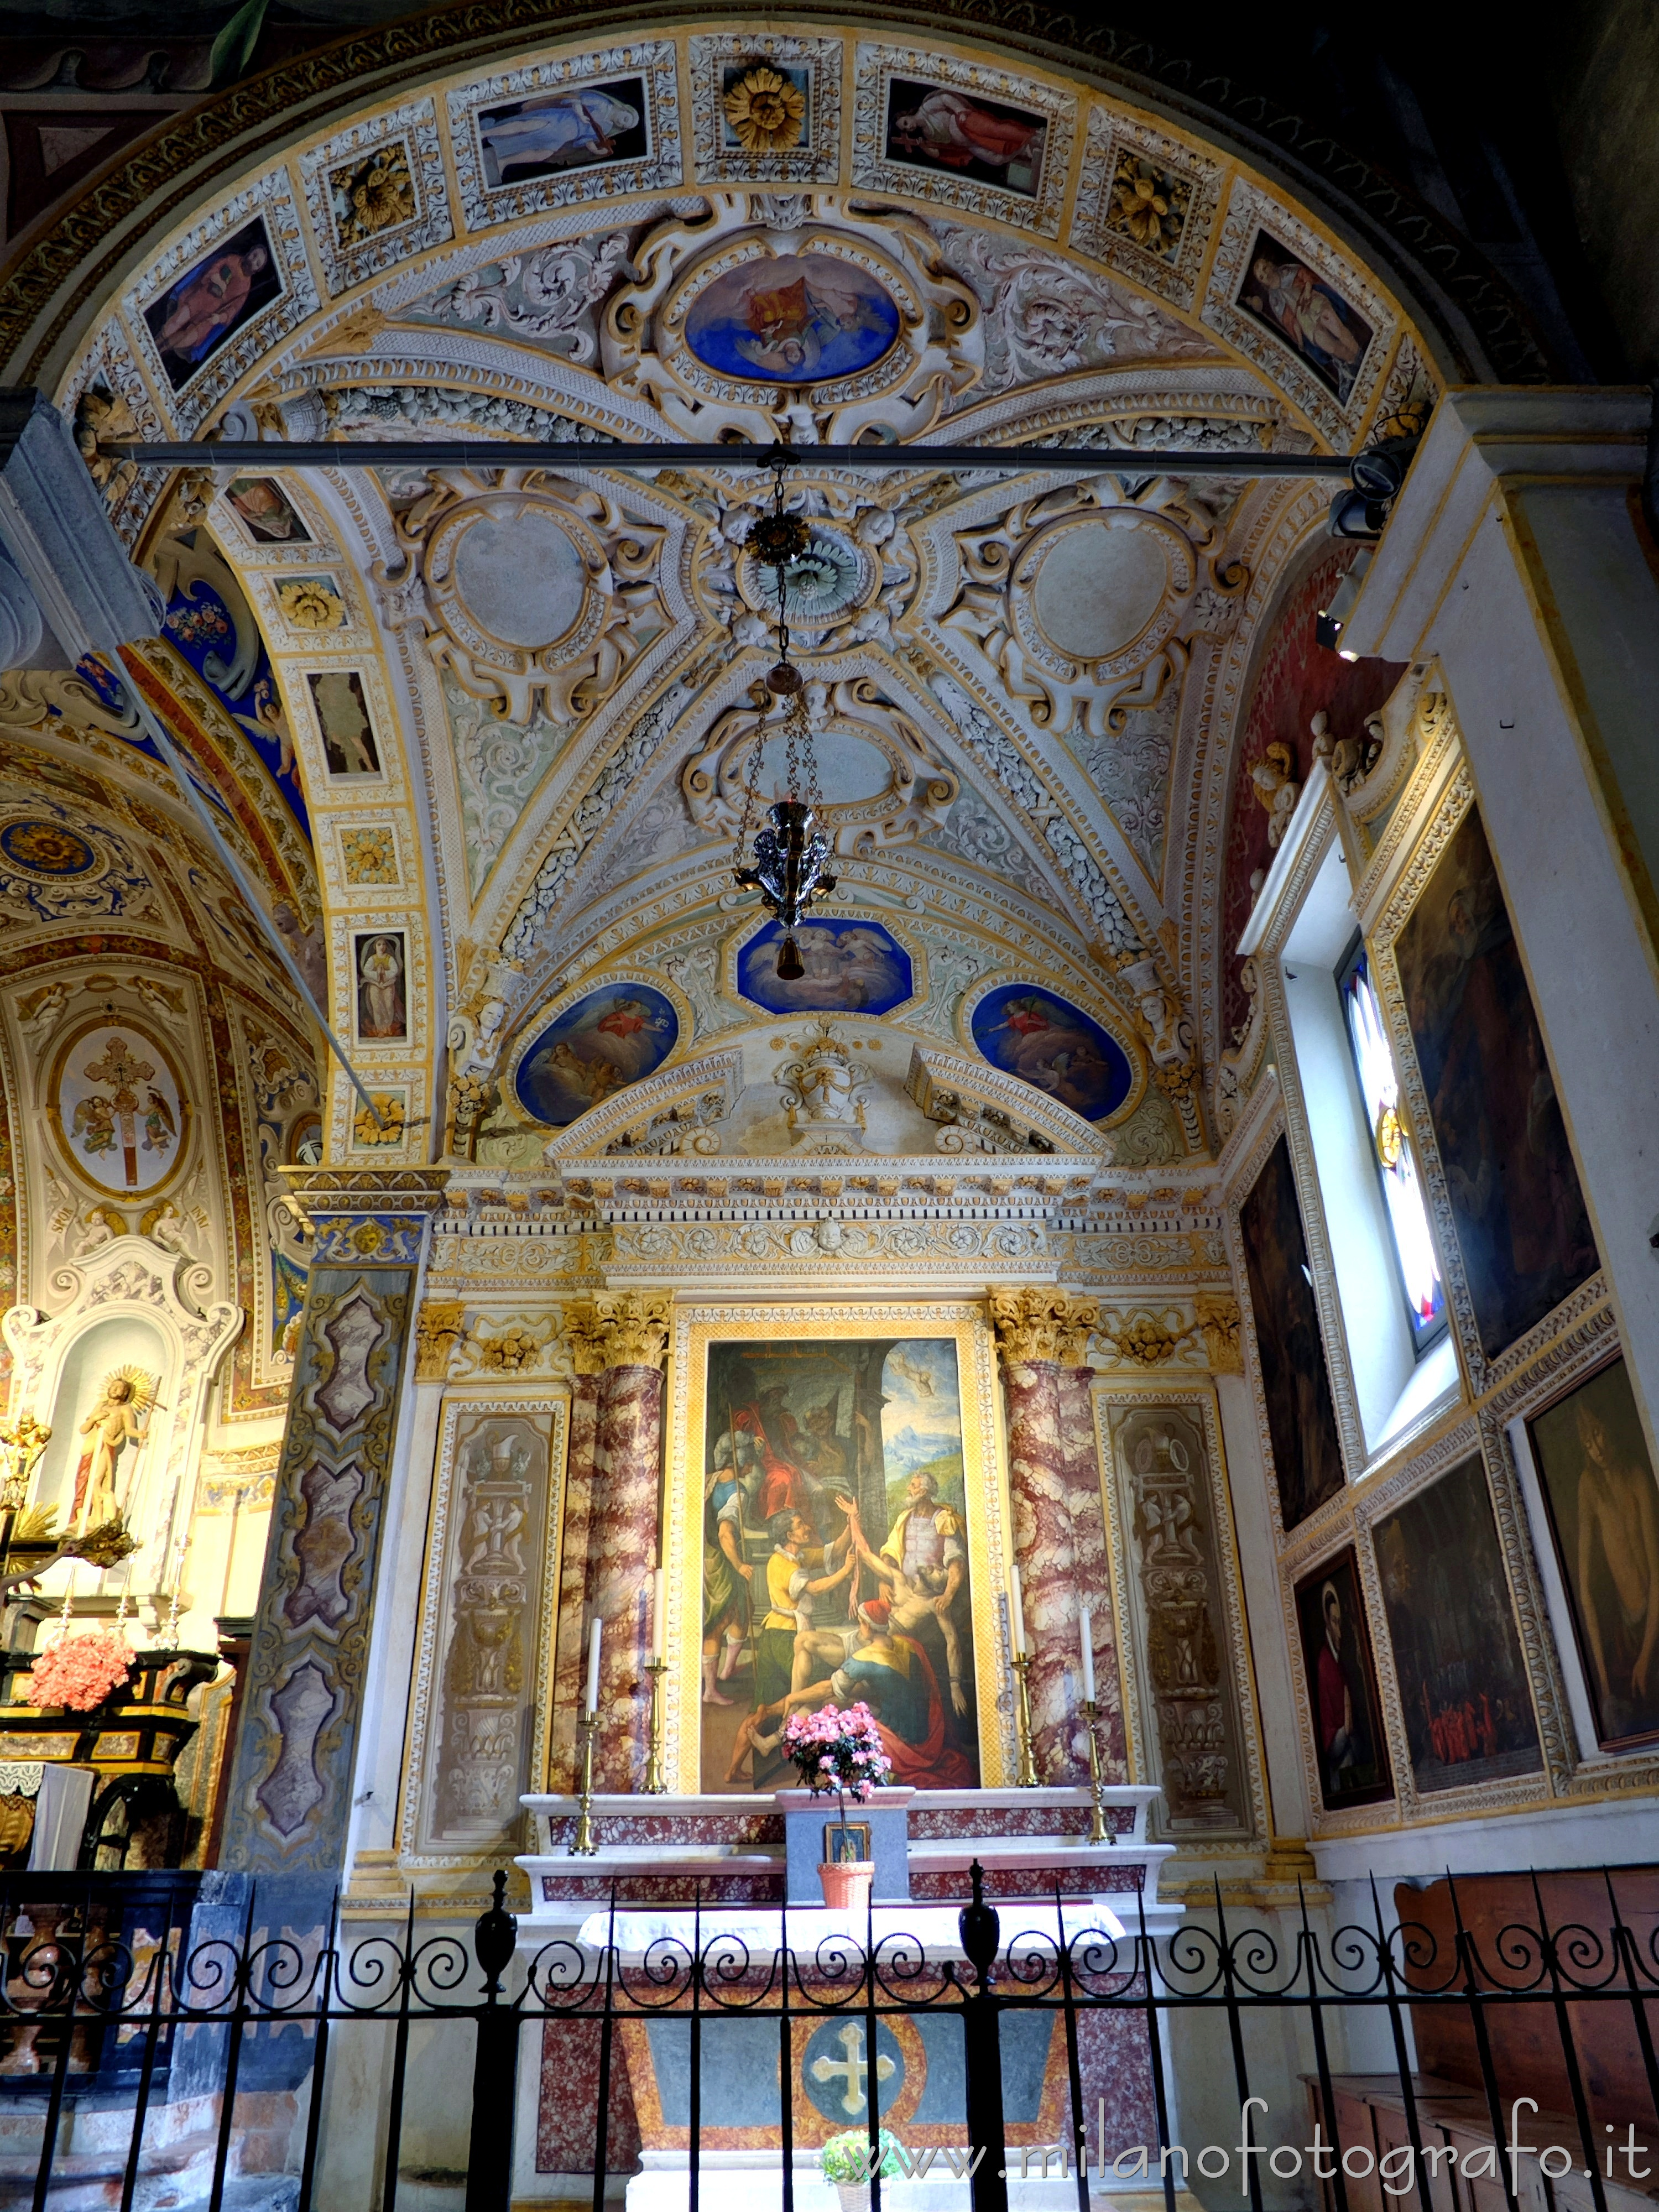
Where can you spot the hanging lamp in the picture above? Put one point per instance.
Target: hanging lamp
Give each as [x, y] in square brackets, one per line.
[790, 851]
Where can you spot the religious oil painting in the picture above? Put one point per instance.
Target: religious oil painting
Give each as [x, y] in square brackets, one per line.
[577, 127]
[1289, 1351]
[265, 512]
[1306, 311]
[1342, 1685]
[835, 1555]
[1603, 1504]
[933, 126]
[604, 1042]
[381, 961]
[793, 319]
[848, 968]
[342, 717]
[1462, 1681]
[210, 302]
[1523, 1231]
[1051, 1045]
[118, 1110]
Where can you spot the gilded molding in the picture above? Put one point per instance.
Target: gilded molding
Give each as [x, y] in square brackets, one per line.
[1034, 1324]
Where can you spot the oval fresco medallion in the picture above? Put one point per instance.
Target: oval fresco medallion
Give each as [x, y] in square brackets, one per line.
[1054, 1046]
[48, 849]
[119, 1111]
[606, 1041]
[793, 319]
[850, 968]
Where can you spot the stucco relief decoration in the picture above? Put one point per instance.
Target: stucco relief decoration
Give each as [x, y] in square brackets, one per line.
[541, 599]
[766, 109]
[57, 866]
[1145, 203]
[841, 321]
[376, 194]
[882, 784]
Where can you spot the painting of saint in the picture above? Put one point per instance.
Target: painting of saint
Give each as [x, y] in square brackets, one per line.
[1310, 316]
[1336, 1662]
[1051, 1045]
[1522, 1225]
[382, 998]
[604, 1042]
[348, 734]
[1598, 1485]
[847, 968]
[1290, 1350]
[835, 1550]
[793, 319]
[929, 126]
[1463, 1691]
[211, 301]
[577, 127]
[265, 512]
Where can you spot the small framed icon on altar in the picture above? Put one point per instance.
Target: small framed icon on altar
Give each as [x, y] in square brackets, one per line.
[846, 1842]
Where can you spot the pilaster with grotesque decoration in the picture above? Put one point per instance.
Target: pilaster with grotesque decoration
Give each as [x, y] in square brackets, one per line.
[1043, 1335]
[290, 1801]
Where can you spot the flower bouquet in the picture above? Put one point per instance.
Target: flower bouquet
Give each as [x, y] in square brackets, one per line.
[839, 1748]
[79, 1673]
[848, 2159]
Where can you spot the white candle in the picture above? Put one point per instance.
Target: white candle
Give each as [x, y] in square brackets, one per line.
[1016, 1613]
[593, 1706]
[1086, 1630]
[658, 1617]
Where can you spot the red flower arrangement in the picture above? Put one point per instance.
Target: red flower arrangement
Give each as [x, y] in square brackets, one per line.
[80, 1672]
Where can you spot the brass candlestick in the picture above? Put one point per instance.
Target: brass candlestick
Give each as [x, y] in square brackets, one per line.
[654, 1784]
[1027, 1777]
[583, 1845]
[1098, 1832]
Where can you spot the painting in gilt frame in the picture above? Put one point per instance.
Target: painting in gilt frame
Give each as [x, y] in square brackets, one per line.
[1603, 1506]
[1463, 1691]
[1343, 1704]
[1306, 312]
[1523, 1231]
[835, 1555]
[1290, 1350]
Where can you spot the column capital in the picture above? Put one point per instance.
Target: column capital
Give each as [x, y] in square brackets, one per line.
[1034, 1324]
[619, 1328]
[365, 1213]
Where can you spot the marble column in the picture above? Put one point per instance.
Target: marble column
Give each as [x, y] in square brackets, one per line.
[1092, 1566]
[1041, 1334]
[576, 1535]
[628, 1333]
[289, 1800]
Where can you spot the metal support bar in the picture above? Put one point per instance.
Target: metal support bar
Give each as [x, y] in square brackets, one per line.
[605, 454]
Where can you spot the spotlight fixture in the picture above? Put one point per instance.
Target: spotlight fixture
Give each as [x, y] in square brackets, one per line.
[791, 853]
[1331, 620]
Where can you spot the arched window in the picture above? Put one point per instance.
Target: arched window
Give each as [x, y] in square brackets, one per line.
[1391, 1151]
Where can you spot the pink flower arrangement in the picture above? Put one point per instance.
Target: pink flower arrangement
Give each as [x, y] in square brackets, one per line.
[79, 1671]
[838, 1748]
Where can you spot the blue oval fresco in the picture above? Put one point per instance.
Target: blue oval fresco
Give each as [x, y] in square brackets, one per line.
[1051, 1045]
[600, 1045]
[850, 968]
[795, 318]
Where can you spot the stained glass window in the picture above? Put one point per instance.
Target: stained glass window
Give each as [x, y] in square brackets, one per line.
[1391, 1151]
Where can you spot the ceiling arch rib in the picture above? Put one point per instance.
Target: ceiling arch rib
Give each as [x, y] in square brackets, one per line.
[519, 692]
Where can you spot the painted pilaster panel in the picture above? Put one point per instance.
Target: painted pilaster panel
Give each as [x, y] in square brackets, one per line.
[289, 1799]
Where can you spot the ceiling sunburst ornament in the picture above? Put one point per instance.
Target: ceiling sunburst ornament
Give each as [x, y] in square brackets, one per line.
[767, 113]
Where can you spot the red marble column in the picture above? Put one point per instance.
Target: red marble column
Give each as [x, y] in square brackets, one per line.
[1093, 1569]
[1041, 1334]
[576, 1532]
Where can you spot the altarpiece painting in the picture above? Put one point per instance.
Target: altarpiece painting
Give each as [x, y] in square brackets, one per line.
[837, 1491]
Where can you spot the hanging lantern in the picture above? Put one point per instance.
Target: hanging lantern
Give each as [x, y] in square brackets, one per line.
[790, 852]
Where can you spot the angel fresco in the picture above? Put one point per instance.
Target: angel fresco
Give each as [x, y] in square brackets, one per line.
[796, 319]
[1054, 1046]
[606, 1041]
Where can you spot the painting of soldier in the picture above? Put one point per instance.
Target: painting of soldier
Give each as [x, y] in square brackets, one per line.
[1598, 1485]
[835, 1552]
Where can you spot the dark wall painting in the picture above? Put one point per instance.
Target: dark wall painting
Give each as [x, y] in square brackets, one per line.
[1598, 1485]
[1301, 1418]
[1522, 1226]
[1341, 1678]
[1463, 1689]
[212, 301]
